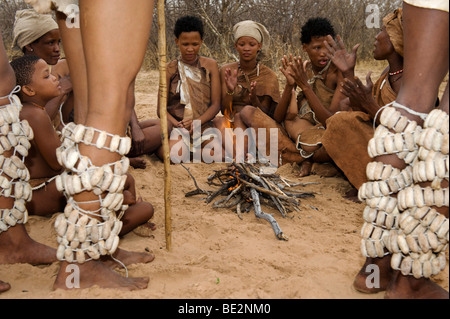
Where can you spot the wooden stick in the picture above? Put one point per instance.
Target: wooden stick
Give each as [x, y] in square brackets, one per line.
[260, 214]
[266, 191]
[163, 113]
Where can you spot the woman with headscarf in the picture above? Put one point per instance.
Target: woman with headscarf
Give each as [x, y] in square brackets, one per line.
[248, 82]
[348, 133]
[38, 34]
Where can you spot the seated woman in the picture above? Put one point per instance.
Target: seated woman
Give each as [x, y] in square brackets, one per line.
[38, 34]
[193, 92]
[348, 133]
[248, 83]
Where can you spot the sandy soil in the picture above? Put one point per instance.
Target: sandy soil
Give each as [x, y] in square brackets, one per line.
[215, 254]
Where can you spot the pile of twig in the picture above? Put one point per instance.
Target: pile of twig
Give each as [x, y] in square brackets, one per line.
[242, 188]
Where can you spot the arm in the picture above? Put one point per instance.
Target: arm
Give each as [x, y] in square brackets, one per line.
[286, 97]
[228, 84]
[265, 105]
[299, 74]
[137, 134]
[61, 71]
[344, 61]
[216, 92]
[7, 76]
[361, 95]
[170, 118]
[45, 137]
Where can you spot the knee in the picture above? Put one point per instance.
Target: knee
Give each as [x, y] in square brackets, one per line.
[148, 210]
[247, 114]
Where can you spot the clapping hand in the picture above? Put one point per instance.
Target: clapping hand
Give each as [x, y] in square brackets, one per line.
[231, 79]
[343, 60]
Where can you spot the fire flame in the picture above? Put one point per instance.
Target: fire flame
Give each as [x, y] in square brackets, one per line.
[229, 114]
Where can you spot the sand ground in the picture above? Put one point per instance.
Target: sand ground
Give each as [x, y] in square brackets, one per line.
[215, 254]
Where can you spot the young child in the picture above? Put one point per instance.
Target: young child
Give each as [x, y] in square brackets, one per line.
[194, 87]
[38, 87]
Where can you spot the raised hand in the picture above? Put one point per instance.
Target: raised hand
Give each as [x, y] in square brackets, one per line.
[287, 71]
[253, 98]
[231, 79]
[298, 72]
[360, 95]
[341, 58]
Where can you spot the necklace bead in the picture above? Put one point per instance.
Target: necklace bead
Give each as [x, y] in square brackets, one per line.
[396, 73]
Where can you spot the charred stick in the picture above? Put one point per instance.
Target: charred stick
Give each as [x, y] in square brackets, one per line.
[266, 191]
[260, 214]
[220, 191]
[198, 191]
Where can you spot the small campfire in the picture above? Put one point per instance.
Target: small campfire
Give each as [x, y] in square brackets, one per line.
[243, 187]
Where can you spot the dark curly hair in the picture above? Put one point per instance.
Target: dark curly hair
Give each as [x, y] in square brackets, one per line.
[24, 68]
[317, 27]
[189, 24]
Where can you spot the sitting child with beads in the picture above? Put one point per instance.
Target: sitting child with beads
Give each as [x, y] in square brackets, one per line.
[38, 86]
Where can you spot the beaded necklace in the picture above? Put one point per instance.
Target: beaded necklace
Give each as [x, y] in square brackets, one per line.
[37, 105]
[244, 74]
[395, 73]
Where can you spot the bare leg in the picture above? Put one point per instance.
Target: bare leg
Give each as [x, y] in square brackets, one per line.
[426, 57]
[445, 101]
[4, 286]
[426, 64]
[111, 68]
[153, 142]
[15, 244]
[256, 119]
[73, 49]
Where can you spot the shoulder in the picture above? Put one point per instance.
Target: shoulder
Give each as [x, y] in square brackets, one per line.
[61, 68]
[268, 70]
[209, 63]
[172, 67]
[232, 66]
[34, 115]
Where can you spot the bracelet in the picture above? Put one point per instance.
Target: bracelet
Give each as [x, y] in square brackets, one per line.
[230, 94]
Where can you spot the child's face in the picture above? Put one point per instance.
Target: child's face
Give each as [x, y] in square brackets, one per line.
[44, 84]
[317, 52]
[248, 48]
[383, 45]
[189, 44]
[48, 48]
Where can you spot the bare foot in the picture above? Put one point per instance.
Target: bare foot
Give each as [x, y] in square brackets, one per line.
[305, 169]
[408, 287]
[95, 273]
[16, 247]
[127, 258]
[146, 230]
[4, 286]
[362, 280]
[138, 163]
